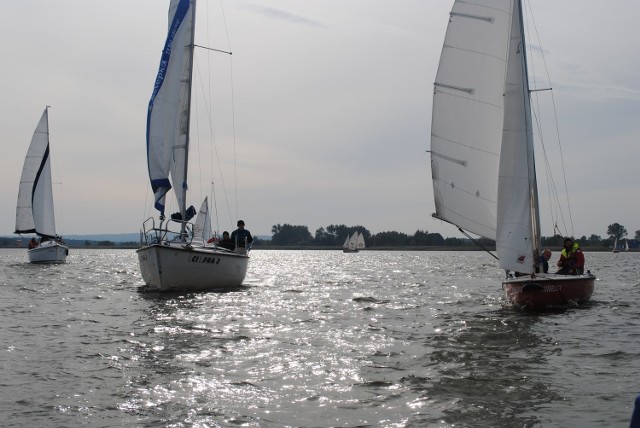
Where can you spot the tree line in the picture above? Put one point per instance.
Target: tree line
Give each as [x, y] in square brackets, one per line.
[287, 235]
[335, 235]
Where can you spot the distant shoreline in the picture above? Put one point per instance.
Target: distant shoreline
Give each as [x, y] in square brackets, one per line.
[116, 246]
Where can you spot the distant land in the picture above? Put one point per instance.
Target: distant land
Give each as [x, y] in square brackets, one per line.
[116, 238]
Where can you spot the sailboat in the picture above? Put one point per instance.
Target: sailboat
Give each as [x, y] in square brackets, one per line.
[482, 151]
[349, 245]
[615, 246]
[353, 243]
[174, 256]
[626, 245]
[35, 211]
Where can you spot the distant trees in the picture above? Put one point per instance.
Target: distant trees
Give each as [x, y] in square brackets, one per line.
[334, 235]
[616, 230]
[288, 234]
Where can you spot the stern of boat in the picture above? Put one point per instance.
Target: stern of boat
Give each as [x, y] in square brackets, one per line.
[547, 291]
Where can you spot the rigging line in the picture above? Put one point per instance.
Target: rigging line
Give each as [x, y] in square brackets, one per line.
[233, 115]
[477, 243]
[233, 111]
[213, 49]
[555, 114]
[209, 111]
[233, 125]
[551, 186]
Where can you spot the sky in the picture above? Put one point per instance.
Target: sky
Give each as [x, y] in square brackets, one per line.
[330, 110]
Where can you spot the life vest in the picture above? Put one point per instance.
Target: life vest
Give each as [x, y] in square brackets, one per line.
[572, 253]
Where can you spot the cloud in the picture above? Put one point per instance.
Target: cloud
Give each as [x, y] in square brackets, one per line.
[282, 15]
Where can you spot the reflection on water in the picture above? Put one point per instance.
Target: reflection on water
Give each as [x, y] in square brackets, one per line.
[314, 338]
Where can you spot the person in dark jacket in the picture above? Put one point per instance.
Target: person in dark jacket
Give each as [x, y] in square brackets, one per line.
[226, 241]
[242, 237]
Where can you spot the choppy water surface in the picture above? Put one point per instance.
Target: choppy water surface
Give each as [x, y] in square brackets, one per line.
[314, 339]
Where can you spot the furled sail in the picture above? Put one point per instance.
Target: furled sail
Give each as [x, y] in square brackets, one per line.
[35, 212]
[168, 120]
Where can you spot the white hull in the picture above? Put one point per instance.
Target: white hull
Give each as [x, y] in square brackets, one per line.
[176, 267]
[48, 252]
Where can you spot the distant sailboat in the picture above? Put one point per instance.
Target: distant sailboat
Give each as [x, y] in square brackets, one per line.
[615, 246]
[353, 243]
[177, 257]
[482, 152]
[35, 211]
[626, 245]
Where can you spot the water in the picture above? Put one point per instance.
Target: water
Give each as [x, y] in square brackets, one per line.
[314, 339]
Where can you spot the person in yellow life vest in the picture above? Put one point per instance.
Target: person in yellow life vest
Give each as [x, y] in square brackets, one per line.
[571, 260]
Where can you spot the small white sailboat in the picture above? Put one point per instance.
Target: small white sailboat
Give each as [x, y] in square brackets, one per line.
[174, 254]
[482, 151]
[615, 246]
[626, 245]
[35, 210]
[353, 243]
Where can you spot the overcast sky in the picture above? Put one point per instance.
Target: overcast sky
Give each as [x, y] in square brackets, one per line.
[332, 109]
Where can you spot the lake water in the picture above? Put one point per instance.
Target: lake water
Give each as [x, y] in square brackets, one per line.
[314, 339]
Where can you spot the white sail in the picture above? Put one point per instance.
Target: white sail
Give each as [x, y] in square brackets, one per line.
[35, 212]
[346, 242]
[468, 113]
[353, 241]
[360, 242]
[481, 141]
[516, 241]
[202, 226]
[626, 245]
[168, 113]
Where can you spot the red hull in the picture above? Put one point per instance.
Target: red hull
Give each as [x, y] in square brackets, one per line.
[549, 291]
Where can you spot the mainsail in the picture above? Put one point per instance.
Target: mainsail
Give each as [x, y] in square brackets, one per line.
[35, 212]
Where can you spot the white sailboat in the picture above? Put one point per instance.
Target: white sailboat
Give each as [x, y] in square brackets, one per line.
[615, 246]
[173, 256]
[482, 152]
[35, 211]
[349, 245]
[626, 245]
[353, 243]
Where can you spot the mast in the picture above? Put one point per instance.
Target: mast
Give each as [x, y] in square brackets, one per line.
[183, 202]
[533, 184]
